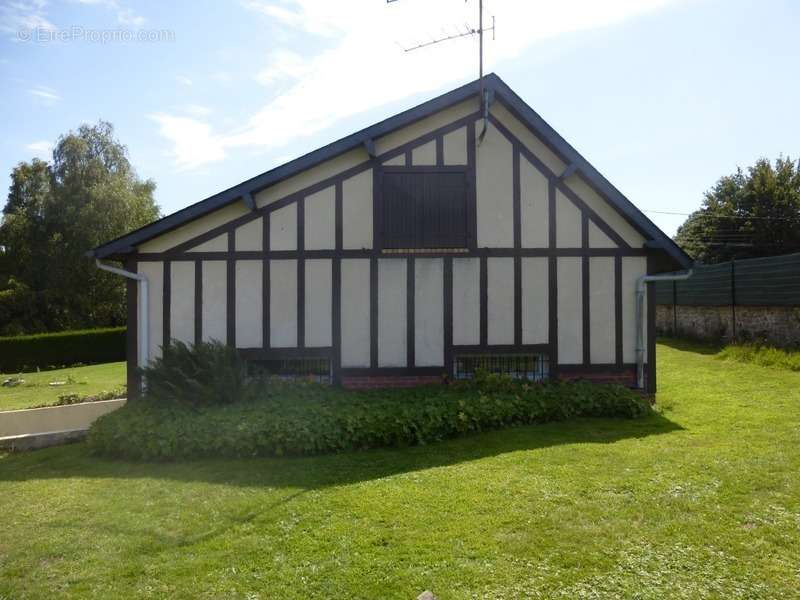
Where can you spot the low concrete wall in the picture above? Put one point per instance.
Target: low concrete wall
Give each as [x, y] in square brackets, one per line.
[776, 325]
[54, 418]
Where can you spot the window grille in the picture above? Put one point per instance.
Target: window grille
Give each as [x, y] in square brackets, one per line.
[534, 367]
[295, 369]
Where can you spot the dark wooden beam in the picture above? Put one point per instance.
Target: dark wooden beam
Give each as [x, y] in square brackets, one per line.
[249, 201]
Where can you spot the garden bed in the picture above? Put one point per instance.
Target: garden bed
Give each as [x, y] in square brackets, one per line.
[304, 418]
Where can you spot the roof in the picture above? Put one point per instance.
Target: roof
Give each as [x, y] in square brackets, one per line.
[657, 239]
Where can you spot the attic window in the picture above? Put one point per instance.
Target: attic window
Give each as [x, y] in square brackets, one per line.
[424, 209]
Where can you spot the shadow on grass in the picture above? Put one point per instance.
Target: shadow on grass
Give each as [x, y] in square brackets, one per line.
[686, 345]
[329, 470]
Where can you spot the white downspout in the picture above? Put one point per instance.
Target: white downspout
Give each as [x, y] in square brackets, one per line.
[144, 342]
[640, 289]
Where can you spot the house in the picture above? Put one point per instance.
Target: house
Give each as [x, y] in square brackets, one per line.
[419, 246]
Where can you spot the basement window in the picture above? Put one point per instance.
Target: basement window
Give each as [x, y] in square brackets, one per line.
[297, 369]
[424, 209]
[533, 367]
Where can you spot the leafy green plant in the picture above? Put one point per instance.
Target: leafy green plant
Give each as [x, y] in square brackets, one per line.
[305, 418]
[201, 374]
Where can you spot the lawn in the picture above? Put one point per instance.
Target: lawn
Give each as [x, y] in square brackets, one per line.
[79, 380]
[701, 500]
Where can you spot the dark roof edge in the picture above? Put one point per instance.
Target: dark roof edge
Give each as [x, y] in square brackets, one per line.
[529, 116]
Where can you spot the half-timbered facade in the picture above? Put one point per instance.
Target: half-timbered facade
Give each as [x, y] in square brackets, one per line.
[412, 249]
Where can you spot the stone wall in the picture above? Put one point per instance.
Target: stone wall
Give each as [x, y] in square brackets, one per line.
[776, 325]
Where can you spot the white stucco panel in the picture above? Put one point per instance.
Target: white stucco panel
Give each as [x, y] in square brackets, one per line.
[215, 301]
[570, 311]
[500, 311]
[283, 228]
[534, 206]
[357, 211]
[568, 223]
[428, 312]
[495, 188]
[455, 147]
[216, 244]
[250, 236]
[249, 303]
[601, 310]
[283, 303]
[181, 322]
[597, 238]
[535, 300]
[319, 303]
[320, 220]
[392, 312]
[355, 311]
[466, 301]
[424, 155]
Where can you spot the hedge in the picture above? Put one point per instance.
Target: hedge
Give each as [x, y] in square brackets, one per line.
[65, 348]
[305, 418]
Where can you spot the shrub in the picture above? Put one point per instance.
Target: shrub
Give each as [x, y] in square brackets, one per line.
[306, 418]
[65, 348]
[766, 356]
[199, 375]
[67, 399]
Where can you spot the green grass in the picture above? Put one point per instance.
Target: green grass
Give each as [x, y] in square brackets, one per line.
[80, 380]
[701, 500]
[766, 356]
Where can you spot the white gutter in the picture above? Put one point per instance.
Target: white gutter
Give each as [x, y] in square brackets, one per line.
[640, 289]
[143, 341]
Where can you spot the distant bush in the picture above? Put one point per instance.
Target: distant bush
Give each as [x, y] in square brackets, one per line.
[307, 418]
[67, 399]
[197, 375]
[65, 348]
[766, 356]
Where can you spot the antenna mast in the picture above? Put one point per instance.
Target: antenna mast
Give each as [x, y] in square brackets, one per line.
[484, 102]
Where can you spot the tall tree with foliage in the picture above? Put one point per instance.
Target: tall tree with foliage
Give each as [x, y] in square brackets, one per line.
[55, 213]
[747, 214]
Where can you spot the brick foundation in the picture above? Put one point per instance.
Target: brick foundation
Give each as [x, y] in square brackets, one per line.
[626, 377]
[371, 382]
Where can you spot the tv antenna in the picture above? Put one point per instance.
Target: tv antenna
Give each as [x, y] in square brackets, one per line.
[467, 31]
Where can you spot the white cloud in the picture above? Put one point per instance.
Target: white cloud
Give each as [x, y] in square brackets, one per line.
[193, 142]
[198, 111]
[24, 15]
[359, 65]
[44, 95]
[283, 64]
[41, 149]
[125, 15]
[183, 79]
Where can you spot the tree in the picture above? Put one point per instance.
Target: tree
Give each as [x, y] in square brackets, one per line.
[745, 215]
[55, 213]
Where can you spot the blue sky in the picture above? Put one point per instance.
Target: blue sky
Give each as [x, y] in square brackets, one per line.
[663, 97]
